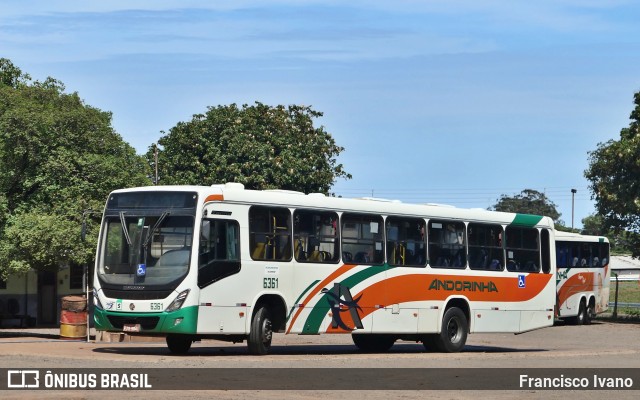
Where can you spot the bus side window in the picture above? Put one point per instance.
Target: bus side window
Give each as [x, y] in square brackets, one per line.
[405, 242]
[485, 246]
[545, 250]
[447, 247]
[270, 233]
[562, 255]
[604, 254]
[363, 238]
[316, 236]
[523, 250]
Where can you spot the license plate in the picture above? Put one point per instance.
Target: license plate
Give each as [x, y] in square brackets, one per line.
[131, 328]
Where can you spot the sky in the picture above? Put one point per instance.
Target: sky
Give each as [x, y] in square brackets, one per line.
[435, 101]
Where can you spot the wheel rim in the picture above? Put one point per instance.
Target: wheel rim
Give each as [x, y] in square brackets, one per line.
[267, 331]
[581, 313]
[453, 330]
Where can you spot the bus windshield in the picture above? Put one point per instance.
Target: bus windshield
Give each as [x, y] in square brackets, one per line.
[150, 250]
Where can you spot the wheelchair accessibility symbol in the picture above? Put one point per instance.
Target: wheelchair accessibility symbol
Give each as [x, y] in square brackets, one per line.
[521, 283]
[142, 270]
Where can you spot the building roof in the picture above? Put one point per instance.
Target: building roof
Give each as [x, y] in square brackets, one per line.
[619, 263]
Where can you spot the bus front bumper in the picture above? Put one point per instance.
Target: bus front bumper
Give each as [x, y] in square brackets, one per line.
[183, 321]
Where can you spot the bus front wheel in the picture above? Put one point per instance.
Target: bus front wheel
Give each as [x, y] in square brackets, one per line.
[261, 332]
[453, 335]
[179, 344]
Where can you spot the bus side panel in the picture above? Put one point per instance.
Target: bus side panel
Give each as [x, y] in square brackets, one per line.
[530, 320]
[429, 318]
[603, 283]
[573, 287]
[396, 318]
[220, 311]
[496, 321]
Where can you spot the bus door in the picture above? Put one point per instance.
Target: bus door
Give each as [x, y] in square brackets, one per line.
[223, 296]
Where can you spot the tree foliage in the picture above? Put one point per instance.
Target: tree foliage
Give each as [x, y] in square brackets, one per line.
[614, 173]
[528, 201]
[621, 241]
[58, 157]
[593, 225]
[260, 146]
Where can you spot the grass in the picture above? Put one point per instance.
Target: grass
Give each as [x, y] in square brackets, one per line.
[628, 292]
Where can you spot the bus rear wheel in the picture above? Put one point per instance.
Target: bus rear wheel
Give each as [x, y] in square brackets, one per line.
[261, 332]
[179, 344]
[453, 335]
[591, 312]
[370, 343]
[583, 315]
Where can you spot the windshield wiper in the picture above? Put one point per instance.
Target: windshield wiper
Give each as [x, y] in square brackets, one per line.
[124, 228]
[153, 229]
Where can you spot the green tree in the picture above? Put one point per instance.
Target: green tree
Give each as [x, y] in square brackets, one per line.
[58, 157]
[614, 173]
[594, 225]
[11, 75]
[260, 146]
[528, 201]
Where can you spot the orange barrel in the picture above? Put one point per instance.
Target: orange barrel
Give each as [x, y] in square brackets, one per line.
[73, 317]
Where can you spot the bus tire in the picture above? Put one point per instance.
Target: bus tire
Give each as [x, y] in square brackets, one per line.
[179, 344]
[581, 318]
[371, 343]
[259, 342]
[591, 311]
[453, 335]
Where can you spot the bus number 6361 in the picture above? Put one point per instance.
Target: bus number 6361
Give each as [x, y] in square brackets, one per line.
[270, 283]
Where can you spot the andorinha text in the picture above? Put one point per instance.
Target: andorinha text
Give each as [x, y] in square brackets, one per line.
[463, 286]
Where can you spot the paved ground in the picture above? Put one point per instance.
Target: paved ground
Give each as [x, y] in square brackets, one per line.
[601, 345]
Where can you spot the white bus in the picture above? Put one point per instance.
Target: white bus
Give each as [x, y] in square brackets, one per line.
[583, 276]
[227, 263]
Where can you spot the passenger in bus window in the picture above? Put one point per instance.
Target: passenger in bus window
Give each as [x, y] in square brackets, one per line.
[452, 236]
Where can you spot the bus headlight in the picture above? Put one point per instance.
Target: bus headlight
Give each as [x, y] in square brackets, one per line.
[177, 303]
[96, 300]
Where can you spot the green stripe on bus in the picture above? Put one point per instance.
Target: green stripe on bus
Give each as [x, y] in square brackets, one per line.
[299, 297]
[527, 220]
[188, 317]
[317, 314]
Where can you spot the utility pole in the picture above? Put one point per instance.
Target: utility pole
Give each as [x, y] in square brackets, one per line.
[155, 162]
[573, 201]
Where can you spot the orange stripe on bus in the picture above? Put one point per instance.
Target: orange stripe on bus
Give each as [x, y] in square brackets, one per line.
[214, 197]
[319, 286]
[581, 282]
[409, 288]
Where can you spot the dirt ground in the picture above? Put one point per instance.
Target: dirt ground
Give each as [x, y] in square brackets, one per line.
[600, 345]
